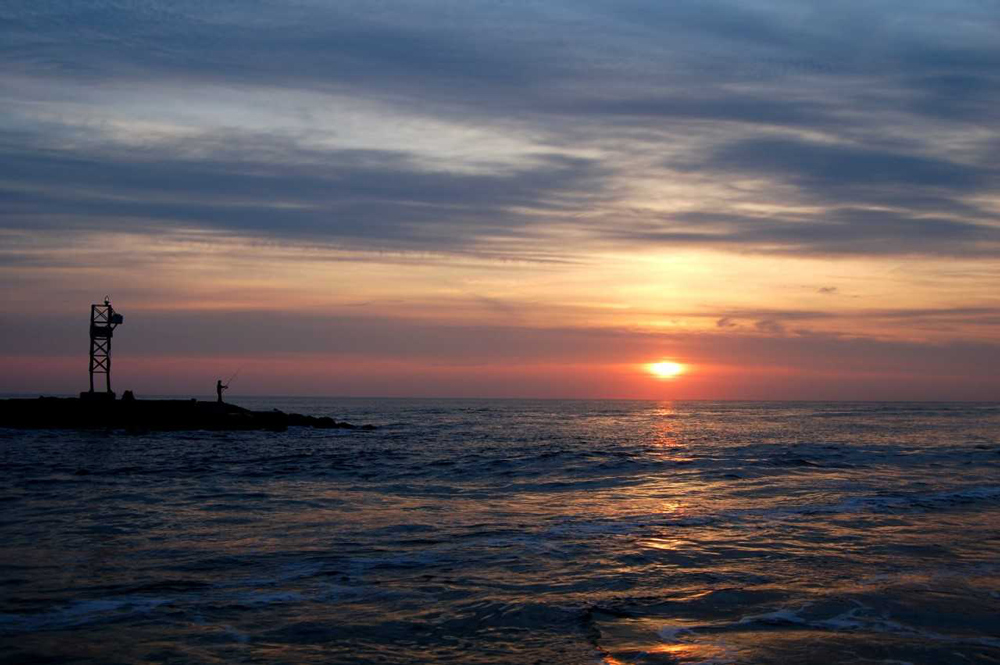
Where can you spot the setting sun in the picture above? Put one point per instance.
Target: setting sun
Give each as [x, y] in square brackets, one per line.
[665, 370]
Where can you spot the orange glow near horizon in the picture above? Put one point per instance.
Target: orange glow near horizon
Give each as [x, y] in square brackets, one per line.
[366, 324]
[666, 369]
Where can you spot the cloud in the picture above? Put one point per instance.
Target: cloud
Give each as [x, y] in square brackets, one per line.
[847, 110]
[965, 95]
[844, 232]
[831, 168]
[769, 326]
[376, 199]
[775, 321]
[411, 50]
[738, 107]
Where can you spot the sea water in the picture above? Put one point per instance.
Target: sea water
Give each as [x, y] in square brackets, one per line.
[502, 531]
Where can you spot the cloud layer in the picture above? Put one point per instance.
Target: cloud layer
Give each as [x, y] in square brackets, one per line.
[871, 117]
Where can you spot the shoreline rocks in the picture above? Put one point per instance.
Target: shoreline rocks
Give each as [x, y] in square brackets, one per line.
[152, 415]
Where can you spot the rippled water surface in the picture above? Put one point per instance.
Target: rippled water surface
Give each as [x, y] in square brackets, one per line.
[512, 532]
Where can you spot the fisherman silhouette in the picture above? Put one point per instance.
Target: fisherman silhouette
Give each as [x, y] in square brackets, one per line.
[219, 388]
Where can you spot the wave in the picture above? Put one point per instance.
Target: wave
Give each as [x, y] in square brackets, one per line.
[79, 613]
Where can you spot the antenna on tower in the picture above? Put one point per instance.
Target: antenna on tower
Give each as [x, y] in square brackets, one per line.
[103, 321]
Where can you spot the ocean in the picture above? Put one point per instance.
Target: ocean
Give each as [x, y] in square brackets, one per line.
[511, 531]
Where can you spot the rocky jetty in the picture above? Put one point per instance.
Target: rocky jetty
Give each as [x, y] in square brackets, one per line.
[151, 415]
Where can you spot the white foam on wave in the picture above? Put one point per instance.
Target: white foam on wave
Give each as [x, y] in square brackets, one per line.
[776, 617]
[670, 633]
[845, 621]
[851, 621]
[854, 620]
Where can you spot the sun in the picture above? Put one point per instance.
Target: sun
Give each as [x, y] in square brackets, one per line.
[665, 369]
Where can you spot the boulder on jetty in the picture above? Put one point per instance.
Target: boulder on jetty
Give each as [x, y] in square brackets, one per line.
[151, 415]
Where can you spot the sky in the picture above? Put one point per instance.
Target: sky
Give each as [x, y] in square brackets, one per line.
[793, 200]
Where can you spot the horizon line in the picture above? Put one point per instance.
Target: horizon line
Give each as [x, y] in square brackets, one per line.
[36, 395]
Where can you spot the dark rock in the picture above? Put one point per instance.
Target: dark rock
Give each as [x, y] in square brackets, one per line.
[150, 415]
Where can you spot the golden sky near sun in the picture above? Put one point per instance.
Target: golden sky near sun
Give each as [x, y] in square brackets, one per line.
[691, 298]
[684, 291]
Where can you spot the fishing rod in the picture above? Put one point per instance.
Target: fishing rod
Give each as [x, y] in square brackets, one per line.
[234, 375]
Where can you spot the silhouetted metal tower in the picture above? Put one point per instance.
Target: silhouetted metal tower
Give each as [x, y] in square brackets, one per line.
[103, 321]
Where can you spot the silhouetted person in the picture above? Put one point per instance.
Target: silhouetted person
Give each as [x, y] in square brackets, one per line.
[219, 388]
